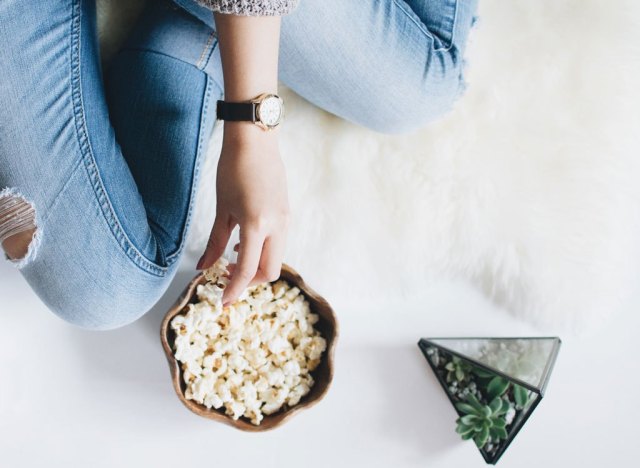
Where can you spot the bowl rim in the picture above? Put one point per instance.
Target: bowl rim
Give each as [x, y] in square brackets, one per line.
[290, 275]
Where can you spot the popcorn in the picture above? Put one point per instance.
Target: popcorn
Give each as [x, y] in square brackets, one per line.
[253, 357]
[297, 392]
[278, 344]
[275, 377]
[213, 400]
[291, 368]
[235, 409]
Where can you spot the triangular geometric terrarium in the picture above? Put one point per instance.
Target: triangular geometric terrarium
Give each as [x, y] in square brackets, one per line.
[493, 383]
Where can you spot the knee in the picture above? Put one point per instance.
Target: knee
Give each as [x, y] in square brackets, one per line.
[103, 302]
[95, 314]
[98, 312]
[19, 235]
[83, 278]
[407, 112]
[17, 246]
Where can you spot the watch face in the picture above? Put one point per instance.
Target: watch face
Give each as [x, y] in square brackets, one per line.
[270, 110]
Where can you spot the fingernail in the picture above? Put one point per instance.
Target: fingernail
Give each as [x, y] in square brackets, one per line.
[200, 262]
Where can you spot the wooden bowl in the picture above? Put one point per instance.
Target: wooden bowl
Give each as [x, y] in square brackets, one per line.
[327, 325]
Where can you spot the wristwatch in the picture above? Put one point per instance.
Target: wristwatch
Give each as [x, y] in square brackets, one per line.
[265, 110]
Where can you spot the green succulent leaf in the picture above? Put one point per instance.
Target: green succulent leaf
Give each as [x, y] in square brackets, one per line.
[499, 422]
[469, 419]
[499, 406]
[520, 395]
[463, 429]
[482, 373]
[467, 435]
[497, 387]
[498, 433]
[481, 437]
[473, 401]
[459, 374]
[466, 408]
[496, 404]
[504, 409]
[486, 411]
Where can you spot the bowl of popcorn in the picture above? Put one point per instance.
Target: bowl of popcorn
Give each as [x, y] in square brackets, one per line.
[256, 362]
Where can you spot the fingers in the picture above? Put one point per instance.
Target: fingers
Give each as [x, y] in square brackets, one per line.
[251, 241]
[270, 264]
[271, 260]
[217, 242]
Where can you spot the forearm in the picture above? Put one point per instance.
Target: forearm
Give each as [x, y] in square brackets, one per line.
[251, 184]
[249, 52]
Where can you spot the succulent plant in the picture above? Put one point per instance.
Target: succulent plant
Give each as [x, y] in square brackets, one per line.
[482, 373]
[497, 387]
[521, 396]
[457, 370]
[481, 422]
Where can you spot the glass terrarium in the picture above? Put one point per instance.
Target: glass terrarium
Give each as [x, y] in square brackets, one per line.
[493, 383]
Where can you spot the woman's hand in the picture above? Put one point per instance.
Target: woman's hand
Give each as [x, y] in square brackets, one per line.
[251, 185]
[251, 191]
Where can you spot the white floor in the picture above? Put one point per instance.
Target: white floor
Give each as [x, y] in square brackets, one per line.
[74, 398]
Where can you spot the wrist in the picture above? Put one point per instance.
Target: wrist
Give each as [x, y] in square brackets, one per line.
[248, 129]
[238, 93]
[244, 133]
[264, 111]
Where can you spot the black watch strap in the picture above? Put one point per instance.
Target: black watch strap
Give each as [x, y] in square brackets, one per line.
[236, 111]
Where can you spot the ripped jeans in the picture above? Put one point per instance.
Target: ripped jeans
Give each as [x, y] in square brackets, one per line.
[105, 164]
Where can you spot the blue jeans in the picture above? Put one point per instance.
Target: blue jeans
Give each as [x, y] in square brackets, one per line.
[109, 159]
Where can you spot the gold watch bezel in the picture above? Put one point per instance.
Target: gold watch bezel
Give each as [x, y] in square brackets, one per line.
[258, 101]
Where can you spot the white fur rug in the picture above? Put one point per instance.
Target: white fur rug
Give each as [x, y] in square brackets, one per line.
[529, 188]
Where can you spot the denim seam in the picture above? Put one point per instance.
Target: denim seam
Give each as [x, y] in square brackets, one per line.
[424, 28]
[196, 171]
[87, 153]
[209, 55]
[151, 51]
[207, 48]
[54, 202]
[156, 227]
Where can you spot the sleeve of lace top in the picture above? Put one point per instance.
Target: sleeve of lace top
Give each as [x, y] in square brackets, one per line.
[251, 7]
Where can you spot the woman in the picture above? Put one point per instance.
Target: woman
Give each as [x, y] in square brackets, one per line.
[98, 178]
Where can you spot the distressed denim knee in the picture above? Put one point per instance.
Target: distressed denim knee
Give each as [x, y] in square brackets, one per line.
[18, 216]
[79, 165]
[80, 270]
